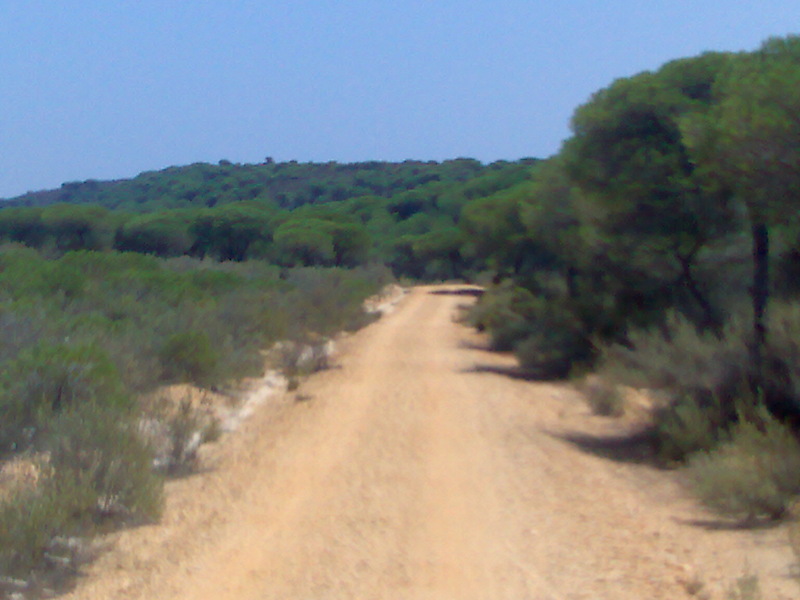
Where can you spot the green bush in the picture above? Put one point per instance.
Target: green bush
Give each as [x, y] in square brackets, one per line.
[678, 357]
[47, 379]
[703, 377]
[755, 474]
[781, 387]
[708, 376]
[183, 426]
[556, 345]
[86, 332]
[689, 425]
[603, 398]
[505, 336]
[101, 465]
[500, 305]
[547, 338]
[29, 521]
[551, 352]
[324, 301]
[97, 472]
[188, 356]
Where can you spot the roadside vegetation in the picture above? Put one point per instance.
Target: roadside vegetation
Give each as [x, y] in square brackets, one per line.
[86, 336]
[661, 249]
[658, 249]
[403, 215]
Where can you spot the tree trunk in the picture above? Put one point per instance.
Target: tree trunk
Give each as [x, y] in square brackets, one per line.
[760, 292]
[710, 318]
[572, 284]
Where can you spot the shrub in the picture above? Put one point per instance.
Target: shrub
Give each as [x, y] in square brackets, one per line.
[782, 361]
[500, 305]
[296, 359]
[29, 521]
[746, 587]
[603, 398]
[188, 356]
[101, 465]
[503, 337]
[97, 472]
[185, 435]
[755, 474]
[689, 425]
[678, 357]
[546, 336]
[556, 345]
[709, 375]
[47, 379]
[324, 301]
[212, 430]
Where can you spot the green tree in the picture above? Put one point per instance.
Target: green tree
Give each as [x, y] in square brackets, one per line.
[163, 234]
[440, 252]
[23, 225]
[306, 242]
[651, 212]
[83, 227]
[494, 232]
[747, 146]
[229, 232]
[351, 243]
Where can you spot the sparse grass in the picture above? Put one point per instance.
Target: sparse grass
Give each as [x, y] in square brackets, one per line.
[696, 587]
[176, 429]
[212, 430]
[297, 360]
[746, 587]
[185, 435]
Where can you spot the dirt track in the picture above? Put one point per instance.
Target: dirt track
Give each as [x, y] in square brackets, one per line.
[407, 473]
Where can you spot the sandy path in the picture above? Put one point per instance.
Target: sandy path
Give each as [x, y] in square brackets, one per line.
[409, 475]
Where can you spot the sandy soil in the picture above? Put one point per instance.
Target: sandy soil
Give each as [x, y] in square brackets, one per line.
[412, 470]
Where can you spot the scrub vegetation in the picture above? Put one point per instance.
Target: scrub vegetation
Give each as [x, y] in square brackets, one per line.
[86, 335]
[659, 248]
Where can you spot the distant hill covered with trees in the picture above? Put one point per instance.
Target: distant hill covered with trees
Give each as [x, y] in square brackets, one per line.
[406, 215]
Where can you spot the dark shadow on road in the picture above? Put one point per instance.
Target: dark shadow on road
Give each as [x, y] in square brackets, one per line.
[512, 372]
[720, 524]
[475, 292]
[474, 346]
[637, 447]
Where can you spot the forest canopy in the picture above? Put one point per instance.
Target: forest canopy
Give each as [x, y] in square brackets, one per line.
[290, 214]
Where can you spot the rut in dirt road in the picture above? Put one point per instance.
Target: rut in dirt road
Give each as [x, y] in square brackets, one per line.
[410, 473]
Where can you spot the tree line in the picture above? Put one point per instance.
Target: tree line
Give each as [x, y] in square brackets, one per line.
[660, 248]
[414, 227]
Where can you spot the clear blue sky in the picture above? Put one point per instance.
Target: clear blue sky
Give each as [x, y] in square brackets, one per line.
[108, 88]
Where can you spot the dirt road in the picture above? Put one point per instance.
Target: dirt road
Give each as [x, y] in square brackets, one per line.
[405, 472]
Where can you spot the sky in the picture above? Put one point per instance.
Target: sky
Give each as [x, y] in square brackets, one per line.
[105, 89]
